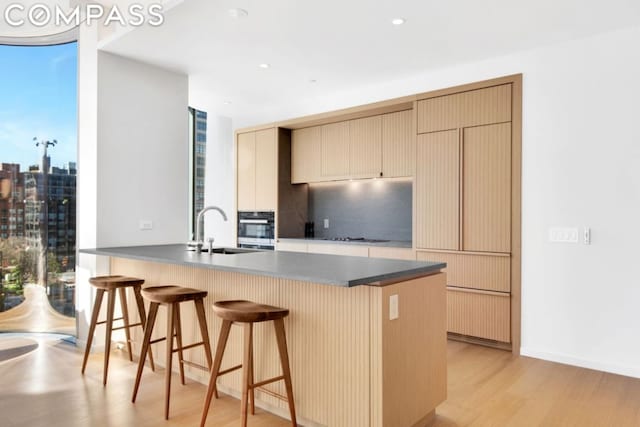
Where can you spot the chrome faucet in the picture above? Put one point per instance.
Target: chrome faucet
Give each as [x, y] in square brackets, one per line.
[199, 238]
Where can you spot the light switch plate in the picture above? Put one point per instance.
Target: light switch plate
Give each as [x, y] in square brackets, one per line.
[563, 235]
[326, 223]
[394, 312]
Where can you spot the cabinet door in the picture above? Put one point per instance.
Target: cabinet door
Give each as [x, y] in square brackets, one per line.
[479, 314]
[437, 190]
[486, 204]
[365, 147]
[247, 171]
[266, 179]
[472, 108]
[398, 144]
[335, 150]
[306, 154]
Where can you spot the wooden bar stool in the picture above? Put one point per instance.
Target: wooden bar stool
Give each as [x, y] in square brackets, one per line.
[172, 296]
[111, 284]
[248, 313]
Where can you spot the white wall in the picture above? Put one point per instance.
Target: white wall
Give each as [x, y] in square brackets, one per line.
[143, 169]
[220, 171]
[581, 167]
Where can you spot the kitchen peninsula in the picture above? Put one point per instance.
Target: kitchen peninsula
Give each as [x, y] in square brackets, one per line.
[352, 364]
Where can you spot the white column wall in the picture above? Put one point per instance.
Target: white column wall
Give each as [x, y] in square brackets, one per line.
[132, 160]
[143, 163]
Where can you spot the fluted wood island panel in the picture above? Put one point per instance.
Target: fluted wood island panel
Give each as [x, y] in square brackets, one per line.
[351, 365]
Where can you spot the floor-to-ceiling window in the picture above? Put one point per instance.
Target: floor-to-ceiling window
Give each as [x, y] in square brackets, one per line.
[38, 151]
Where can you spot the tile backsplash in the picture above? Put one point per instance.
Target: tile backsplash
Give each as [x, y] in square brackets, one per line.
[376, 209]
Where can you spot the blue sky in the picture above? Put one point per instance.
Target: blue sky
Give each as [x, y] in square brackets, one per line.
[38, 98]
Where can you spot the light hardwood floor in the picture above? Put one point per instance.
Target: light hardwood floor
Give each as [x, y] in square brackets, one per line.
[487, 387]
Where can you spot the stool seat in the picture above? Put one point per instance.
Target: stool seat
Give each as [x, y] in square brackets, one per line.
[242, 311]
[114, 282]
[171, 294]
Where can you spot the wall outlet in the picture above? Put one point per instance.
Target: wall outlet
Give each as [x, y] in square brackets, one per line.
[563, 235]
[393, 307]
[586, 236]
[326, 223]
[145, 224]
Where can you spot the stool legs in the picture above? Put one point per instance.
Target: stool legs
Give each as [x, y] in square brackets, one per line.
[146, 342]
[246, 369]
[177, 327]
[217, 362]
[174, 329]
[111, 304]
[248, 385]
[143, 320]
[284, 361]
[125, 319]
[168, 358]
[92, 326]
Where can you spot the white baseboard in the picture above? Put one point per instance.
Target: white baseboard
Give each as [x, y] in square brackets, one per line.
[629, 371]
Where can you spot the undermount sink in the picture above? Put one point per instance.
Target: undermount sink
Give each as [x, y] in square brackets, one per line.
[229, 251]
[225, 251]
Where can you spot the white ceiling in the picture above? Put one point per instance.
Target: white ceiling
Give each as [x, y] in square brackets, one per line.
[345, 44]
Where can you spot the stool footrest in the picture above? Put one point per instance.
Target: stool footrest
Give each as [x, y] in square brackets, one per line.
[187, 347]
[194, 365]
[272, 393]
[265, 382]
[124, 327]
[226, 371]
[104, 321]
[157, 340]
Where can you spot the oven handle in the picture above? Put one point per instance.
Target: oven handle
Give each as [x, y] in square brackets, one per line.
[254, 221]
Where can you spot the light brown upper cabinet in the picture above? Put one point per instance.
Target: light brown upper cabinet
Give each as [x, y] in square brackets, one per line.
[437, 184]
[464, 109]
[398, 144]
[370, 147]
[365, 147]
[334, 161]
[257, 170]
[306, 152]
[486, 183]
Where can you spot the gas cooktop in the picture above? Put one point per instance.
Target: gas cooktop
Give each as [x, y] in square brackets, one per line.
[354, 239]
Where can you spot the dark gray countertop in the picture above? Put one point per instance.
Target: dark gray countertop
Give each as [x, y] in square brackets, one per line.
[316, 240]
[334, 270]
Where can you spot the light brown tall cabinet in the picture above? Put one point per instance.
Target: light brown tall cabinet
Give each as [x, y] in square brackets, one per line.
[464, 186]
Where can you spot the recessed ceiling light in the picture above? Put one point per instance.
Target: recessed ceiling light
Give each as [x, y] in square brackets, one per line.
[238, 13]
[227, 102]
[264, 66]
[398, 21]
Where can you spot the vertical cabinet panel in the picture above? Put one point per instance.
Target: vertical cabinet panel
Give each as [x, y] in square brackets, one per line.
[246, 171]
[471, 108]
[306, 154]
[437, 190]
[365, 147]
[398, 144]
[486, 170]
[335, 150]
[266, 170]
